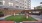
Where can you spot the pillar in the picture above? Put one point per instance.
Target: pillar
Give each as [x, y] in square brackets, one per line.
[14, 14]
[27, 15]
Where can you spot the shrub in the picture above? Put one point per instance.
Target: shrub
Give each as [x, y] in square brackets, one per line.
[1, 14]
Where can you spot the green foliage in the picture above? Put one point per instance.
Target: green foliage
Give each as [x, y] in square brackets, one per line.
[38, 7]
[1, 12]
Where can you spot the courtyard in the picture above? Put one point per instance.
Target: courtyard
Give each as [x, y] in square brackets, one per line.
[19, 18]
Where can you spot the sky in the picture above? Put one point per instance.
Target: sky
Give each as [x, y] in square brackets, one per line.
[35, 3]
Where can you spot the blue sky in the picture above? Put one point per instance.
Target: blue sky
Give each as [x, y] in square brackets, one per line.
[35, 3]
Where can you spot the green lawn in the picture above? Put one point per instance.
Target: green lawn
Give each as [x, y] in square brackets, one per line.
[19, 18]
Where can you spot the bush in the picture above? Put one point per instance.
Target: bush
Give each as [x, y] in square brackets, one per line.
[1, 14]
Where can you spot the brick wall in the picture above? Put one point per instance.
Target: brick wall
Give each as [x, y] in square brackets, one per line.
[10, 12]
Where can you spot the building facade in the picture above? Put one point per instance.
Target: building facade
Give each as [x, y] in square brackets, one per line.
[11, 7]
[18, 4]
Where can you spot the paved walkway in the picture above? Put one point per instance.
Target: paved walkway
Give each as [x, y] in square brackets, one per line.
[36, 17]
[3, 18]
[6, 16]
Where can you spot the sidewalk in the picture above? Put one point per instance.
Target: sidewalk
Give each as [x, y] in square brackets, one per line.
[6, 16]
[36, 17]
[3, 18]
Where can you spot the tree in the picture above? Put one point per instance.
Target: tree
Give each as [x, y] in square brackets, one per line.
[38, 7]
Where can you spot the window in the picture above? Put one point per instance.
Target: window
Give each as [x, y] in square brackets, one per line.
[1, 3]
[1, 0]
[23, 7]
[11, 0]
[20, 3]
[25, 2]
[20, 7]
[17, 6]
[16, 0]
[35, 11]
[10, 4]
[29, 12]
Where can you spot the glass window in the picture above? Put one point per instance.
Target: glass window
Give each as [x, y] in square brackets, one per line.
[29, 12]
[17, 6]
[16, 0]
[1, 3]
[11, 0]
[20, 7]
[1, 0]
[10, 4]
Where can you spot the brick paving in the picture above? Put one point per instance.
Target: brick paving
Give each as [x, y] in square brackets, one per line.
[6, 21]
[20, 22]
[32, 22]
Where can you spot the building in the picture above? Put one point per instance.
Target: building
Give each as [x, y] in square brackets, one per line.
[11, 7]
[27, 4]
[18, 4]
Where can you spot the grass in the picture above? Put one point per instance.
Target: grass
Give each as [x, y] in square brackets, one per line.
[19, 18]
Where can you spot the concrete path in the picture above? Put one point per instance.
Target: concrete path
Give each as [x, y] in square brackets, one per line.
[36, 17]
[3, 18]
[6, 16]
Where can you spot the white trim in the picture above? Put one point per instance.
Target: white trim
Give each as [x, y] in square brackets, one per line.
[3, 2]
